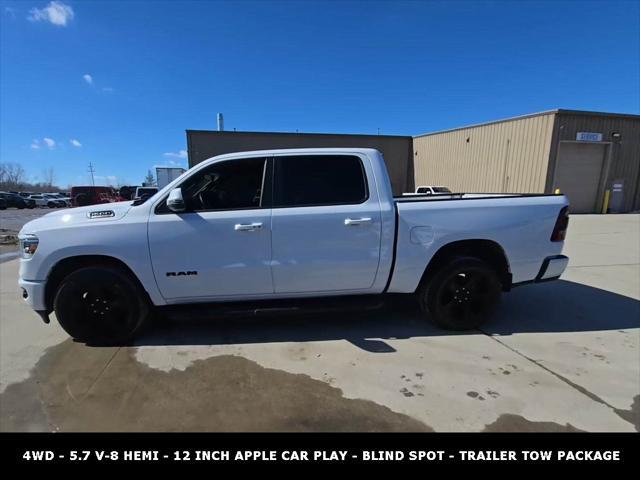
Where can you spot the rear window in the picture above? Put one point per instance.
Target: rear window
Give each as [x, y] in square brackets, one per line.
[309, 180]
[441, 190]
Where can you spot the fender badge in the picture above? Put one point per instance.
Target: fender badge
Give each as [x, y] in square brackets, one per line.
[182, 274]
[101, 214]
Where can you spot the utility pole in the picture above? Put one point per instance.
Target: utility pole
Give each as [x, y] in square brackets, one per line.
[92, 171]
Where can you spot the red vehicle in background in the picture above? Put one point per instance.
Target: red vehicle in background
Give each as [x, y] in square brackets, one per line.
[90, 195]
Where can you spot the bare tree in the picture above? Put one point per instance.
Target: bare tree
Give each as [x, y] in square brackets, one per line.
[12, 175]
[48, 176]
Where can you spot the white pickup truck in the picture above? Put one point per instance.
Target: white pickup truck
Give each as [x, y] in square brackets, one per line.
[271, 228]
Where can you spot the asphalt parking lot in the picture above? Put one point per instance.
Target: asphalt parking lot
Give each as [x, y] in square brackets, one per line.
[559, 356]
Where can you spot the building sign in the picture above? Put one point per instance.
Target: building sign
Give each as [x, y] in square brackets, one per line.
[589, 137]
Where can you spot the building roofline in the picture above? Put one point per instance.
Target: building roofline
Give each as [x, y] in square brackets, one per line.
[189, 131]
[557, 111]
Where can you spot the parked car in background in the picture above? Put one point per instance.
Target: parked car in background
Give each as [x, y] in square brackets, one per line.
[30, 203]
[92, 195]
[3, 204]
[58, 202]
[128, 192]
[144, 193]
[13, 200]
[44, 202]
[60, 197]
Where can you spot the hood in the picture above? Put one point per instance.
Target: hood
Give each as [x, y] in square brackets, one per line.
[104, 212]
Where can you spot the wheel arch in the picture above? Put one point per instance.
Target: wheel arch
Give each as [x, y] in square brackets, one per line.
[70, 264]
[488, 250]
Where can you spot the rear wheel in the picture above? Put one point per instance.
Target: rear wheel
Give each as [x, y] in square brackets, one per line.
[51, 205]
[81, 200]
[101, 304]
[462, 294]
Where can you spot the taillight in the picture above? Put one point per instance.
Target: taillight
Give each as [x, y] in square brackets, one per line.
[560, 228]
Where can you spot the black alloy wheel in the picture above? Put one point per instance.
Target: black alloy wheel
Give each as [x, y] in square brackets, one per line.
[101, 305]
[461, 295]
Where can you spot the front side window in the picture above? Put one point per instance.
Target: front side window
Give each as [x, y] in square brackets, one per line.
[309, 180]
[227, 185]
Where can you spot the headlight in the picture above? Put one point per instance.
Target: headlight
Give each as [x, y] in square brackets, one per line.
[28, 245]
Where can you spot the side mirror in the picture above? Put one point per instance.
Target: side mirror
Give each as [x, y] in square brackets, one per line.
[175, 202]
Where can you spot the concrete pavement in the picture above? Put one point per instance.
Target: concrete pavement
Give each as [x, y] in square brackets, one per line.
[559, 356]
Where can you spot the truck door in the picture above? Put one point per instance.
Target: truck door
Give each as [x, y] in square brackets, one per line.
[221, 246]
[326, 226]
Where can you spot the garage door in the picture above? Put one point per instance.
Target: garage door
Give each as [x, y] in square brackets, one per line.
[579, 173]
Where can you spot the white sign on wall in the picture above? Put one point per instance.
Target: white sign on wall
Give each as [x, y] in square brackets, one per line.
[589, 137]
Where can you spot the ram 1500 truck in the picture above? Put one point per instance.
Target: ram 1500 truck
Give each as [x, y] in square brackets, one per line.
[282, 226]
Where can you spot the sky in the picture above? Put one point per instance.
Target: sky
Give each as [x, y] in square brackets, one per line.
[117, 83]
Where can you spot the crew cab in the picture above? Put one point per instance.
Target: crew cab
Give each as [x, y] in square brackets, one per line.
[279, 227]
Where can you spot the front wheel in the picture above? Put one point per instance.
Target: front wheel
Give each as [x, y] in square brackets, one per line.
[51, 205]
[101, 304]
[462, 294]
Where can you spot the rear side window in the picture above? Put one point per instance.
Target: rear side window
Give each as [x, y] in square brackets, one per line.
[309, 180]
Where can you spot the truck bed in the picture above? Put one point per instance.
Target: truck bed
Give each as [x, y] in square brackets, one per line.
[521, 224]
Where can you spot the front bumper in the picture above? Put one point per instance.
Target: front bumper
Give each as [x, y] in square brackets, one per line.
[552, 268]
[33, 292]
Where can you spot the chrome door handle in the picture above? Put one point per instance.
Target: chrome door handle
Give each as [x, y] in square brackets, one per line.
[357, 221]
[247, 227]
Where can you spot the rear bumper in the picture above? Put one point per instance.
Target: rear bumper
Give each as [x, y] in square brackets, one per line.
[552, 268]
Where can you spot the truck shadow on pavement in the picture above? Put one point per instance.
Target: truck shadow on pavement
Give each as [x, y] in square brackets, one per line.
[560, 306]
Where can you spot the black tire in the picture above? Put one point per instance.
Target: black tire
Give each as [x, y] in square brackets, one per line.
[462, 294]
[101, 304]
[51, 205]
[81, 200]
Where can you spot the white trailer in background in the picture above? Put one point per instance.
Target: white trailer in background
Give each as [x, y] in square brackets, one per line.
[166, 175]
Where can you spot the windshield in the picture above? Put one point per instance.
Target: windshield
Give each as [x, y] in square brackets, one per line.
[441, 190]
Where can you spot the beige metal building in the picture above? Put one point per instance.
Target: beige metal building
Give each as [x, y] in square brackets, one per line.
[583, 154]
